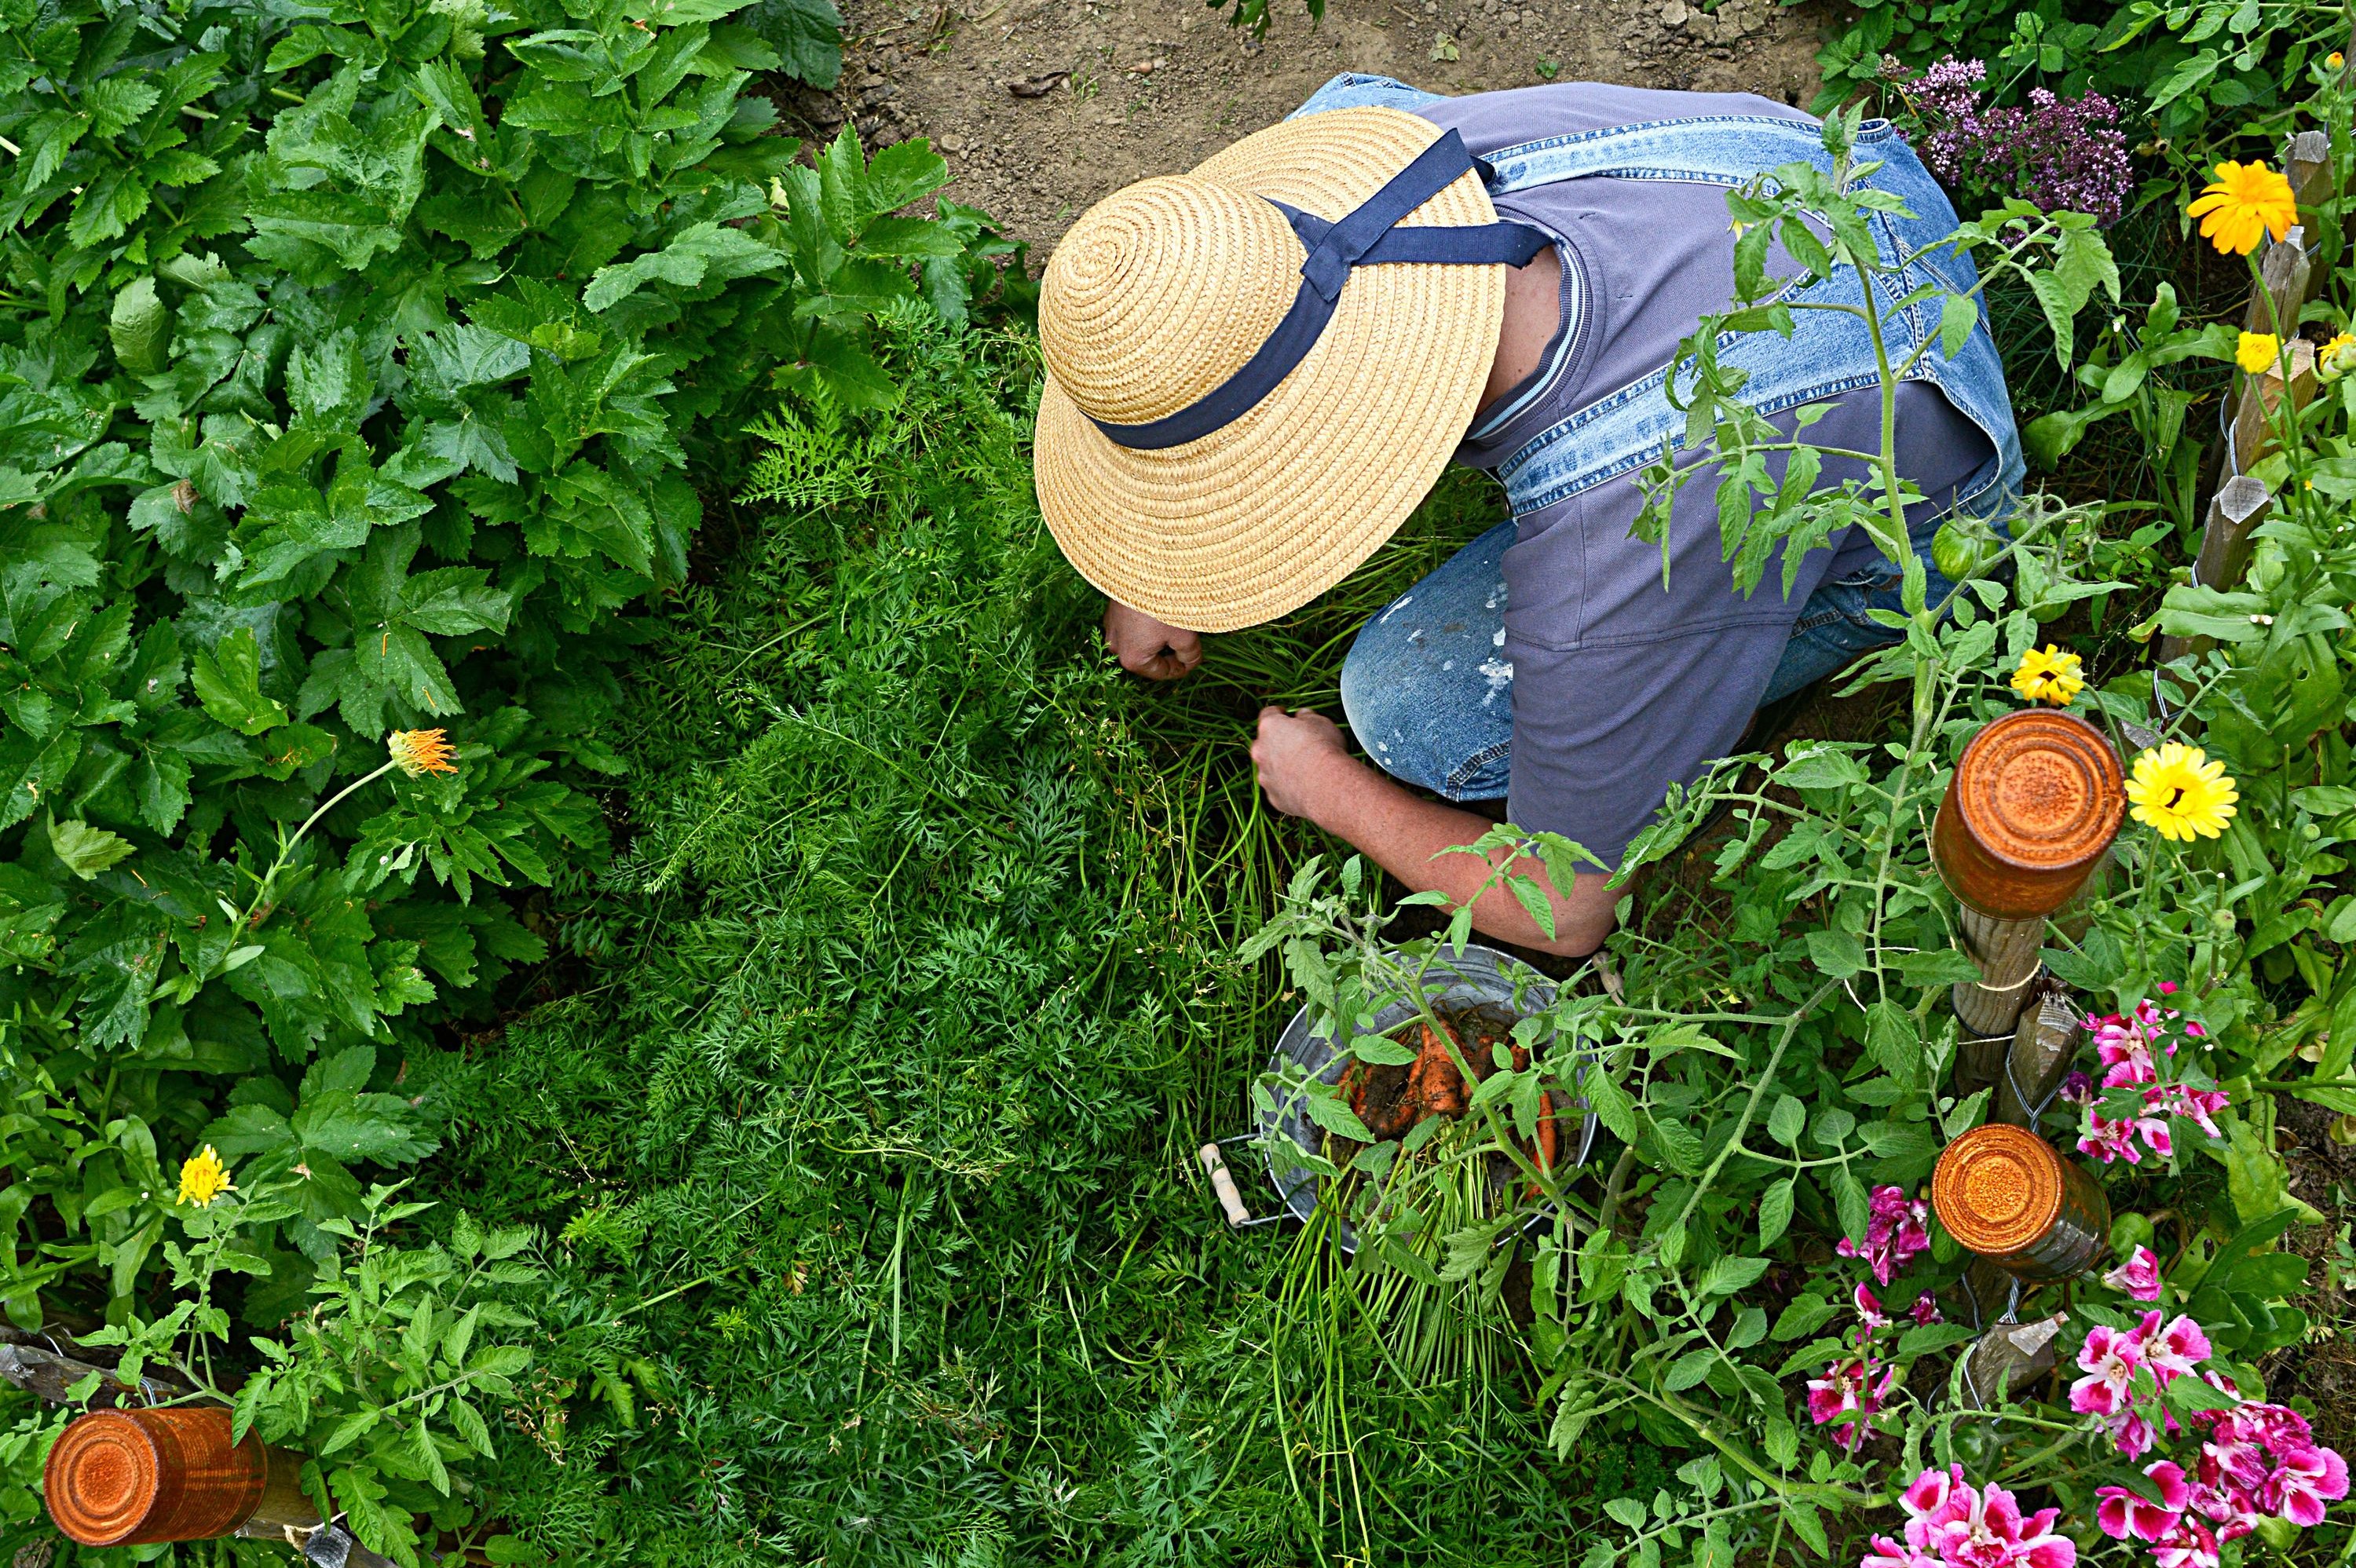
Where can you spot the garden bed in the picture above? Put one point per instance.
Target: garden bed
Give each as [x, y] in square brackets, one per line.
[640, 992]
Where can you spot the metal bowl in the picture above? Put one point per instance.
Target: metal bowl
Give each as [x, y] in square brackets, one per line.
[1466, 977]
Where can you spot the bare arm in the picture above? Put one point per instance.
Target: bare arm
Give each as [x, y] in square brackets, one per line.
[1308, 771]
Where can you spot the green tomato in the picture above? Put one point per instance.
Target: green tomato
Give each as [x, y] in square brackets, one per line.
[1956, 550]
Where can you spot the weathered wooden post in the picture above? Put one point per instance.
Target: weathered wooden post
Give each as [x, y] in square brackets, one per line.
[2240, 504]
[2256, 432]
[2029, 1216]
[2052, 1027]
[2031, 810]
[136, 1478]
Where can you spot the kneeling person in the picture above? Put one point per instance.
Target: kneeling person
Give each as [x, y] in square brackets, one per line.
[1257, 369]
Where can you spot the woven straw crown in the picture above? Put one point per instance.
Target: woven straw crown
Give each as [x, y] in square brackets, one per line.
[1162, 291]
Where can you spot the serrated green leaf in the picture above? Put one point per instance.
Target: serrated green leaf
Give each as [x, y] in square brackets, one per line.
[85, 850]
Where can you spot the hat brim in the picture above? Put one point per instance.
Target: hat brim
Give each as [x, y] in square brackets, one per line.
[1260, 517]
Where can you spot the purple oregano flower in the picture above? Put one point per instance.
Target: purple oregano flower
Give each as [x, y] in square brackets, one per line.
[2059, 153]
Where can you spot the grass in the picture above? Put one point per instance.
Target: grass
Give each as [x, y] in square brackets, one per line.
[869, 1134]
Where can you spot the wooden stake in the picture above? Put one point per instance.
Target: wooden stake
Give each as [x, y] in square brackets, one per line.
[2008, 1357]
[2006, 951]
[2255, 432]
[2051, 1031]
[2283, 276]
[2235, 513]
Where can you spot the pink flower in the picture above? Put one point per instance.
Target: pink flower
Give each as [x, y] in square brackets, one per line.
[1846, 1394]
[1896, 1233]
[2109, 1360]
[2077, 1088]
[2179, 1348]
[2120, 1513]
[2188, 1545]
[1926, 1310]
[1986, 1528]
[2307, 1481]
[1884, 1552]
[1932, 1500]
[1869, 1308]
[2138, 1277]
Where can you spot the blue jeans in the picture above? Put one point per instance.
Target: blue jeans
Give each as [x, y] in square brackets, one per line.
[1428, 690]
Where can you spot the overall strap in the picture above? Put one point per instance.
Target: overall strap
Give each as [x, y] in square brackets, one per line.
[1720, 150]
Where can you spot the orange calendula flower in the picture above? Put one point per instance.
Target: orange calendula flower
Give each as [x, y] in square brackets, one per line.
[2242, 205]
[420, 751]
[2335, 60]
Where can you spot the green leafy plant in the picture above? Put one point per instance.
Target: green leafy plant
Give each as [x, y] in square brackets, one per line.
[356, 369]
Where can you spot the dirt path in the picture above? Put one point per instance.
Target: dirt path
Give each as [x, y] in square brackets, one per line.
[1121, 89]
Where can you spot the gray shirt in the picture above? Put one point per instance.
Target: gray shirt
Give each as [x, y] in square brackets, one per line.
[1622, 687]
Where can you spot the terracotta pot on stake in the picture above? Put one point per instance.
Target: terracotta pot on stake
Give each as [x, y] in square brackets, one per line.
[2030, 812]
[135, 1477]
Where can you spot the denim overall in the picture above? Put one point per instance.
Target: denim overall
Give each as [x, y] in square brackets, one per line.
[1465, 746]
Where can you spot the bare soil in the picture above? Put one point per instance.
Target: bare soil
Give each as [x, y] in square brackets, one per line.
[1044, 106]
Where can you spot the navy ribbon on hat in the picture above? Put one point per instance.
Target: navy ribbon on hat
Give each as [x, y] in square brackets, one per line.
[1365, 237]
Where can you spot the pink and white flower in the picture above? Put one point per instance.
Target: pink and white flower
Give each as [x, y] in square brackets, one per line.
[1960, 1526]
[1869, 1308]
[1848, 1395]
[2190, 1545]
[1926, 1310]
[2307, 1480]
[2109, 1358]
[2175, 1350]
[2138, 1277]
[1897, 1231]
[2122, 1513]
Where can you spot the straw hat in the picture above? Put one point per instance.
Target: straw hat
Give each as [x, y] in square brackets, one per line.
[1162, 291]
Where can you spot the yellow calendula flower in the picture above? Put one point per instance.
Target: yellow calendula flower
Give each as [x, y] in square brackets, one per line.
[2335, 359]
[203, 1177]
[419, 752]
[2049, 675]
[2258, 351]
[2335, 60]
[2179, 791]
[2242, 205]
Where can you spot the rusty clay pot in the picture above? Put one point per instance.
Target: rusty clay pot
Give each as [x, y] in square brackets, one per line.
[2007, 1195]
[2031, 810]
[139, 1477]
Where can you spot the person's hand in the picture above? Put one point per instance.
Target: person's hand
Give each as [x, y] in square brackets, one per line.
[1299, 755]
[1147, 647]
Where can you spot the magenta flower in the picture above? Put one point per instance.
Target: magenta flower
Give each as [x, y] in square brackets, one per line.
[2307, 1480]
[1884, 1552]
[2126, 1045]
[2190, 1545]
[1926, 1310]
[1896, 1233]
[1869, 1308]
[2261, 1460]
[2138, 1277]
[1846, 1394]
[1958, 1526]
[2121, 1513]
[2173, 1352]
[2077, 1088]
[2109, 1360]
